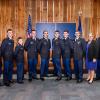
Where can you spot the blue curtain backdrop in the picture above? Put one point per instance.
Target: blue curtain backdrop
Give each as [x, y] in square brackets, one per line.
[51, 27]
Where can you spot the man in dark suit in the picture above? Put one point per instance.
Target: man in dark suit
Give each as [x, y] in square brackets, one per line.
[45, 46]
[56, 54]
[98, 59]
[79, 47]
[31, 46]
[66, 54]
[7, 49]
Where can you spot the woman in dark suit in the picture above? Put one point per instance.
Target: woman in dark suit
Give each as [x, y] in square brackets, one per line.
[91, 62]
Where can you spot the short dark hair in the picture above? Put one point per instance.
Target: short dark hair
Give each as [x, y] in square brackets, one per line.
[66, 31]
[19, 38]
[57, 31]
[45, 31]
[9, 30]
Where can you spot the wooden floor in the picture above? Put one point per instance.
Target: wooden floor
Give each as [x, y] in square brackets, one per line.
[51, 90]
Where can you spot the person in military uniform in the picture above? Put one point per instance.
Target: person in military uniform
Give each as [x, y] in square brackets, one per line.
[7, 49]
[19, 56]
[0, 65]
[45, 46]
[98, 59]
[79, 47]
[66, 54]
[31, 46]
[56, 54]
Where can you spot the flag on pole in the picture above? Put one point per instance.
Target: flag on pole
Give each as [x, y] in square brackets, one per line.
[29, 28]
[79, 25]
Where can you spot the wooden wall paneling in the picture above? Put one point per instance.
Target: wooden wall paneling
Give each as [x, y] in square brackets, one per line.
[2, 18]
[87, 8]
[65, 11]
[94, 26]
[76, 12]
[68, 10]
[83, 26]
[41, 10]
[6, 17]
[33, 13]
[98, 18]
[98, 31]
[13, 24]
[98, 8]
[91, 20]
[24, 19]
[17, 18]
[2, 13]
[61, 8]
[13, 18]
[87, 28]
[72, 11]
[44, 14]
[38, 10]
[50, 10]
[94, 16]
[14, 14]
[56, 10]
[22, 33]
[26, 4]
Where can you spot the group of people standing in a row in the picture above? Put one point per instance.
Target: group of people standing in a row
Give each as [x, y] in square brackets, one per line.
[65, 48]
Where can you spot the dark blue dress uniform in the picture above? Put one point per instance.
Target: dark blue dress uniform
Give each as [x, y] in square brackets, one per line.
[79, 47]
[45, 46]
[56, 56]
[7, 48]
[66, 55]
[98, 59]
[31, 46]
[19, 56]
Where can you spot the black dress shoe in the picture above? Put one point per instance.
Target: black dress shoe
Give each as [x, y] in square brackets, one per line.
[68, 78]
[35, 78]
[53, 75]
[11, 81]
[58, 78]
[30, 80]
[79, 81]
[7, 84]
[20, 82]
[42, 79]
[46, 75]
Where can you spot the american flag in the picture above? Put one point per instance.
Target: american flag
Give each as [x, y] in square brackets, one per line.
[79, 25]
[29, 28]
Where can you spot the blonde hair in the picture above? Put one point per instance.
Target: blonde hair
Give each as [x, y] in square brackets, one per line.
[91, 34]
